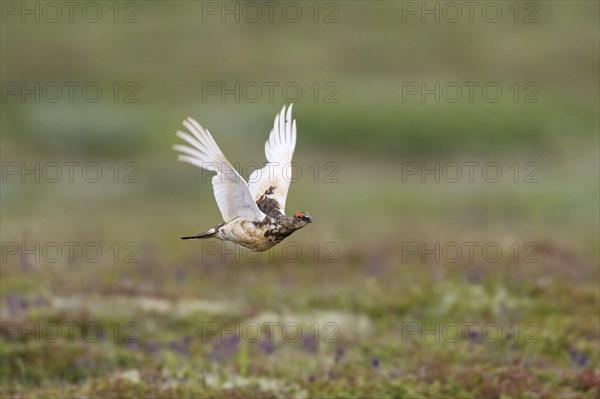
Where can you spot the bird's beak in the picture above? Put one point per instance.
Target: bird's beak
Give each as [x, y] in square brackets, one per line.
[309, 219]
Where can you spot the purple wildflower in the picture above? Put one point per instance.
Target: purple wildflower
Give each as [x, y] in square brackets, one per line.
[339, 353]
[309, 344]
[579, 358]
[16, 303]
[375, 362]
[267, 346]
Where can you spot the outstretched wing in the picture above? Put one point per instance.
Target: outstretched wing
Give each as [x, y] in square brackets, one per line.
[269, 186]
[231, 190]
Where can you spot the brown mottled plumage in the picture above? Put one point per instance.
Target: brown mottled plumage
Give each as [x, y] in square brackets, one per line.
[253, 214]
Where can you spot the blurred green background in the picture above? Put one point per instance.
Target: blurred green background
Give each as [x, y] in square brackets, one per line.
[359, 124]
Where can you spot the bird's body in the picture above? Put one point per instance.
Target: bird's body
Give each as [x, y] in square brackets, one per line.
[253, 214]
[257, 236]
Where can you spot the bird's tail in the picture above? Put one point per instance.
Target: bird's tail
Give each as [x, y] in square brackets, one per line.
[207, 234]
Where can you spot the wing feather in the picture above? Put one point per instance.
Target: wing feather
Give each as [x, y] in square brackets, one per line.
[230, 189]
[273, 180]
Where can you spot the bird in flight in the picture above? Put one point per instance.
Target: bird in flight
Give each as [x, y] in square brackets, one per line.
[253, 214]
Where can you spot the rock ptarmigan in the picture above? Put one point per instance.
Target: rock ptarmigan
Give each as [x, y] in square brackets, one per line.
[253, 214]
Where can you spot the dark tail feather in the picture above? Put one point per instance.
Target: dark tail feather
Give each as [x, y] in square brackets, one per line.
[207, 234]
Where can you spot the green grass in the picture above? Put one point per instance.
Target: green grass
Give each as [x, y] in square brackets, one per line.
[374, 295]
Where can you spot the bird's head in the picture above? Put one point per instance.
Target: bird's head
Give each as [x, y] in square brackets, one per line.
[301, 219]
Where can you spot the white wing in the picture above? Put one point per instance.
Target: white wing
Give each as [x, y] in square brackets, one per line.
[273, 180]
[231, 190]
